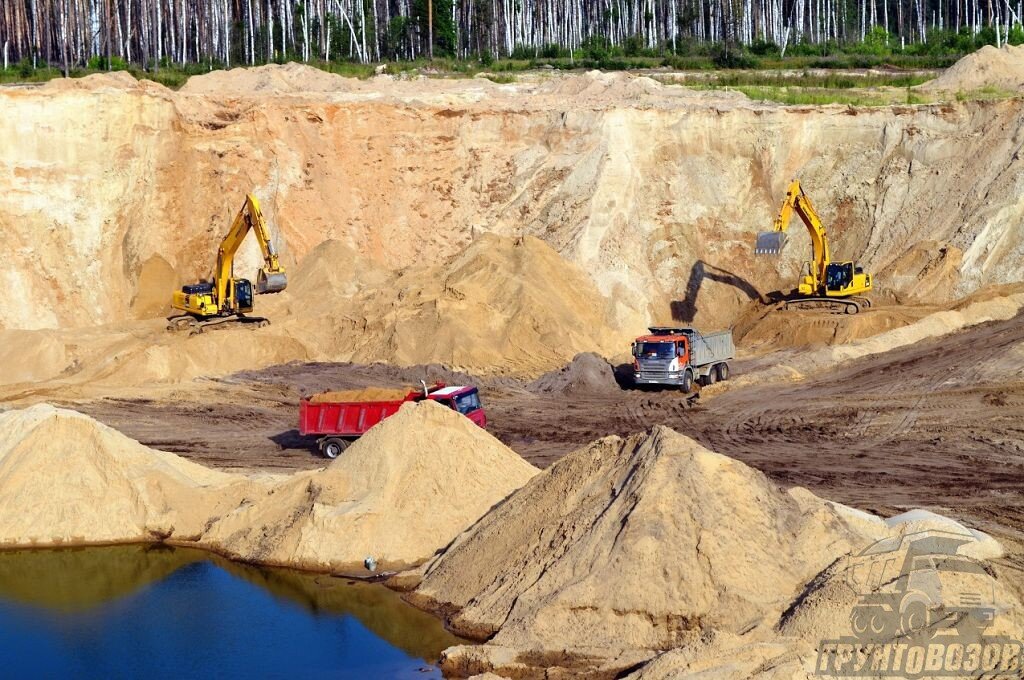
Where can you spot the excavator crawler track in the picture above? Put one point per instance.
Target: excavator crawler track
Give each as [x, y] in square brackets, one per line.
[196, 326]
[850, 305]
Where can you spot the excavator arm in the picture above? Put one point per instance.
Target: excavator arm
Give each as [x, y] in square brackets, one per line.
[271, 277]
[772, 242]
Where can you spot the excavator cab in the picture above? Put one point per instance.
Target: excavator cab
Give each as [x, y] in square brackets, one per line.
[243, 296]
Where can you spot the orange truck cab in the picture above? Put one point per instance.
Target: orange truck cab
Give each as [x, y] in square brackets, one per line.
[681, 356]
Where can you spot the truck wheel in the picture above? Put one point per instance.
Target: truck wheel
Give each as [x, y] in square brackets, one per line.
[687, 381]
[712, 376]
[723, 372]
[333, 447]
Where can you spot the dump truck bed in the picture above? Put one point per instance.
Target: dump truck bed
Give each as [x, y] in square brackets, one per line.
[711, 348]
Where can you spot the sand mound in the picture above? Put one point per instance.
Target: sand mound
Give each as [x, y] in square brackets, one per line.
[401, 492]
[1001, 68]
[502, 305]
[99, 485]
[118, 80]
[587, 372]
[269, 79]
[364, 394]
[635, 544]
[628, 548]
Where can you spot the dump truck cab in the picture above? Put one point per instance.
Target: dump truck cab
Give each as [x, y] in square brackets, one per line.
[464, 399]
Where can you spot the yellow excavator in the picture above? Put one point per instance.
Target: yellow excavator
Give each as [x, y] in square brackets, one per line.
[824, 284]
[226, 299]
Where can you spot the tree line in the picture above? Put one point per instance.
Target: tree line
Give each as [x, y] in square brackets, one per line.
[150, 34]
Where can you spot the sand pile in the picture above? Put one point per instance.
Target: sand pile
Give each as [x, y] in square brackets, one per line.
[1001, 68]
[259, 80]
[364, 394]
[586, 373]
[630, 546]
[400, 493]
[502, 305]
[99, 486]
[118, 80]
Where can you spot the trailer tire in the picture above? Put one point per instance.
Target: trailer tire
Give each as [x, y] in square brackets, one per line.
[332, 447]
[687, 381]
[723, 372]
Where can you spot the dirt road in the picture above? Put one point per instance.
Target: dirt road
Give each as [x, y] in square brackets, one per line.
[939, 424]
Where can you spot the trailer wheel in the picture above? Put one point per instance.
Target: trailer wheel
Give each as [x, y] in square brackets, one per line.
[723, 372]
[687, 381]
[332, 447]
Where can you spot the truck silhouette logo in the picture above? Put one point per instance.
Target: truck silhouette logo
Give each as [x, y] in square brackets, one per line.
[923, 610]
[905, 588]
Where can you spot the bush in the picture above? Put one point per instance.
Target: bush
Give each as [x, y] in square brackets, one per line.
[876, 43]
[733, 58]
[762, 48]
[99, 63]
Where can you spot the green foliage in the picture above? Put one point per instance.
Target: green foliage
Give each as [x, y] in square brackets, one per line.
[876, 43]
[762, 48]
[25, 68]
[1016, 36]
[99, 63]
[444, 25]
[733, 58]
[486, 58]
[398, 31]
[633, 46]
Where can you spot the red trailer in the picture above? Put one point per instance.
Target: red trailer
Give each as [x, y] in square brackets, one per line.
[339, 423]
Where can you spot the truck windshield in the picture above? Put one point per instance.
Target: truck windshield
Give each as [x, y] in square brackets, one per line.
[467, 403]
[661, 350]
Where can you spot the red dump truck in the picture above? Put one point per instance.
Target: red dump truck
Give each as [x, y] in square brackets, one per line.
[338, 421]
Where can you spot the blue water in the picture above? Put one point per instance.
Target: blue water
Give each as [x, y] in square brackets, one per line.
[175, 614]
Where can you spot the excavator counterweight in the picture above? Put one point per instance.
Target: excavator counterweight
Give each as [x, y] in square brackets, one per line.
[226, 298]
[836, 286]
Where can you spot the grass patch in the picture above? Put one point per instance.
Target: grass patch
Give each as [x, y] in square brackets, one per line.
[811, 96]
[500, 78]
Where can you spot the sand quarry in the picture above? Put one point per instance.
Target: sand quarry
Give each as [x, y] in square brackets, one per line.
[517, 237]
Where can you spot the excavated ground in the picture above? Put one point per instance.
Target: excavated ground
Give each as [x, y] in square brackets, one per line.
[939, 424]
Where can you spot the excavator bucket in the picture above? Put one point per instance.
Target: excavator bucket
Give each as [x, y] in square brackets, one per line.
[770, 243]
[270, 282]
